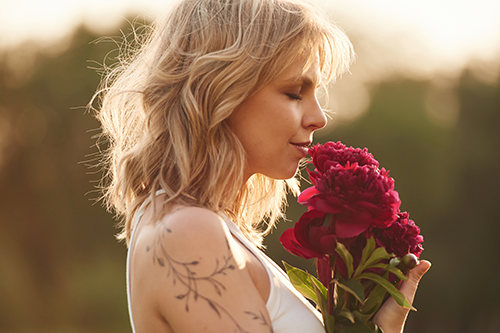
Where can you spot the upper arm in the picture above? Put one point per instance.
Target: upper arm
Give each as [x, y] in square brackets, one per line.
[188, 270]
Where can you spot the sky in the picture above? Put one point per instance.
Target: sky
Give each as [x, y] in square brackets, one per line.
[418, 39]
[452, 29]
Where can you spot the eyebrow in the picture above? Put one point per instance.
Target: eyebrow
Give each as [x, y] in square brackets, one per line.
[300, 79]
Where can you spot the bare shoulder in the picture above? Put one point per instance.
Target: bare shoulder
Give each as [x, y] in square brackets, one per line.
[195, 224]
[188, 234]
[188, 273]
[186, 238]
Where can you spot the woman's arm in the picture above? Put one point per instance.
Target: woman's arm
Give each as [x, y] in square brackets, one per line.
[391, 317]
[188, 273]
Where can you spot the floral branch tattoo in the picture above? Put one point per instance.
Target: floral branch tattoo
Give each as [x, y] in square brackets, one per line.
[260, 317]
[185, 274]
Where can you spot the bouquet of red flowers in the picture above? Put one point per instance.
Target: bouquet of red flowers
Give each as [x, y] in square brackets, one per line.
[362, 243]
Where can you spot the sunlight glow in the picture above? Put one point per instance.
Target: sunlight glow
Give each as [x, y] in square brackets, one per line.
[452, 31]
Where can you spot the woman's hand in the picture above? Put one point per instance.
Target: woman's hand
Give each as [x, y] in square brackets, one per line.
[391, 317]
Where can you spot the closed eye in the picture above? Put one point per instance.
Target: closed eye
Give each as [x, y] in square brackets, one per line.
[294, 96]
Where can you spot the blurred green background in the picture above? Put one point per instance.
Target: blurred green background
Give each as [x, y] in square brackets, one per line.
[61, 269]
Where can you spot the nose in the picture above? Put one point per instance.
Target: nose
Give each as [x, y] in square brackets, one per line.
[314, 117]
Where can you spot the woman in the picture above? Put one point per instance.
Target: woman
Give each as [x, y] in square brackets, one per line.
[207, 123]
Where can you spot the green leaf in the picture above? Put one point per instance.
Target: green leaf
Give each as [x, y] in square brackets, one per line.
[348, 315]
[377, 255]
[346, 256]
[372, 303]
[380, 265]
[301, 281]
[321, 294]
[394, 262]
[378, 329]
[396, 271]
[370, 257]
[354, 287]
[329, 321]
[356, 328]
[362, 318]
[391, 267]
[319, 285]
[393, 291]
[367, 250]
[374, 327]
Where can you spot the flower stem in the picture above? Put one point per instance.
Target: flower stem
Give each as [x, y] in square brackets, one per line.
[332, 294]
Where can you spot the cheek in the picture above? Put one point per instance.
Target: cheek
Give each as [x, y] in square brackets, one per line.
[264, 122]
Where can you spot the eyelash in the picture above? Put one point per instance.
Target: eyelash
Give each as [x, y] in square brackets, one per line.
[294, 96]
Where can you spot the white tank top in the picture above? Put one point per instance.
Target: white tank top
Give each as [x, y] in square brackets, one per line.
[289, 311]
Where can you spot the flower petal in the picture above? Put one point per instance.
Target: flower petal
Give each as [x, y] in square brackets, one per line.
[327, 205]
[290, 244]
[352, 224]
[328, 244]
[306, 195]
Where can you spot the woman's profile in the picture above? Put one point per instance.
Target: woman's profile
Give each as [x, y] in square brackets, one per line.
[207, 122]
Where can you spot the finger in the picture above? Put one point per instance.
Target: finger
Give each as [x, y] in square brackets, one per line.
[409, 288]
[391, 316]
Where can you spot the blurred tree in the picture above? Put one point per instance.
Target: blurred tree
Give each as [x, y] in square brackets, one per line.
[470, 236]
[61, 268]
[62, 271]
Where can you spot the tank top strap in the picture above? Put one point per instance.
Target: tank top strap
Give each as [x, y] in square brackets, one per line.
[273, 271]
[236, 232]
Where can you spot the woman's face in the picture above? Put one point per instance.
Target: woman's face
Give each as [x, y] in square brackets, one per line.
[276, 124]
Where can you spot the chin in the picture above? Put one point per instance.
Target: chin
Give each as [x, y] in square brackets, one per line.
[284, 175]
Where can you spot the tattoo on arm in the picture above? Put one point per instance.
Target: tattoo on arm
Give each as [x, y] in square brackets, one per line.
[185, 274]
[260, 317]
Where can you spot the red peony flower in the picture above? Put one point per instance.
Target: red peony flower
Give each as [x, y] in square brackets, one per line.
[401, 238]
[314, 236]
[354, 229]
[358, 197]
[310, 238]
[333, 153]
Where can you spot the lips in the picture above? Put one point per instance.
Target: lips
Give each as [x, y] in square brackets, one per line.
[302, 144]
[302, 147]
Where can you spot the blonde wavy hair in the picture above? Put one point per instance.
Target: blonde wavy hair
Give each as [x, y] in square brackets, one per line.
[164, 107]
